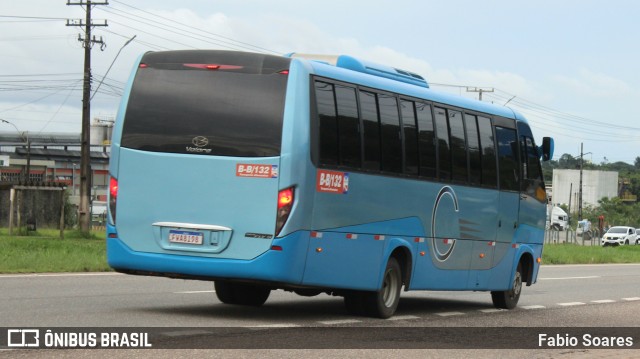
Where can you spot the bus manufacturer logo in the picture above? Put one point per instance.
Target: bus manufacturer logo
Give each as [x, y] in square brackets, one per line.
[200, 141]
[332, 182]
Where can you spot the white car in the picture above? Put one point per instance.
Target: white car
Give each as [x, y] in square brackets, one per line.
[619, 235]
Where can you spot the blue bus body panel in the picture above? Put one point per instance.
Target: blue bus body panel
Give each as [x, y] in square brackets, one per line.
[194, 191]
[285, 266]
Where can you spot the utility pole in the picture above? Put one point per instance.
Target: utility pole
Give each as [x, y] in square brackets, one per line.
[85, 157]
[480, 91]
[580, 190]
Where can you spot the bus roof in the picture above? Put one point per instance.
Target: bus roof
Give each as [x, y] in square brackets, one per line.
[408, 84]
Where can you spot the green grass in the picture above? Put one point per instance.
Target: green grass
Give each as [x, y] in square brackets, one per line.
[576, 254]
[43, 252]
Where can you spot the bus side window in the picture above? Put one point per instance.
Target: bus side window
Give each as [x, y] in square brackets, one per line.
[410, 137]
[348, 126]
[508, 163]
[444, 153]
[459, 169]
[533, 183]
[371, 128]
[327, 122]
[391, 140]
[487, 144]
[426, 140]
[473, 143]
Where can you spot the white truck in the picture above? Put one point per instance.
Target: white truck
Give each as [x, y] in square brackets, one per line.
[558, 218]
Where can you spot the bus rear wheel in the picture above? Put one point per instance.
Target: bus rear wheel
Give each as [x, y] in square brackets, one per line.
[382, 303]
[241, 294]
[508, 299]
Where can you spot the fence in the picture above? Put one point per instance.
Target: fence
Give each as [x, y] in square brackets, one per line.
[588, 238]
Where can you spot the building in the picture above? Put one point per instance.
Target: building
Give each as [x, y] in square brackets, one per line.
[595, 186]
[40, 158]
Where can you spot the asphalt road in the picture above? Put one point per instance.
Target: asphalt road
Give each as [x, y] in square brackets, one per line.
[587, 297]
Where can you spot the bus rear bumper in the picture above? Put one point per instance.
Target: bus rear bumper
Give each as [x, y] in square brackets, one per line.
[285, 266]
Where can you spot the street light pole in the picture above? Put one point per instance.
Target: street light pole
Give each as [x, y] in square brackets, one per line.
[110, 66]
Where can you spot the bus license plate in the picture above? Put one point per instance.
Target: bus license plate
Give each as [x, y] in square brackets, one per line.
[187, 237]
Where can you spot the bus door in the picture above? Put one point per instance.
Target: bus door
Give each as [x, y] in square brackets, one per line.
[533, 197]
[509, 202]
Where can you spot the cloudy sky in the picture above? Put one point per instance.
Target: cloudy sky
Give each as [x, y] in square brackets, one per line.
[570, 66]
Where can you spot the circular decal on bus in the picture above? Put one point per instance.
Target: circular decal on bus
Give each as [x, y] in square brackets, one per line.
[445, 227]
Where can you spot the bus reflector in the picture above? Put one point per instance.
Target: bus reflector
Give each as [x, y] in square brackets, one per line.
[284, 72]
[113, 198]
[285, 203]
[276, 248]
[143, 66]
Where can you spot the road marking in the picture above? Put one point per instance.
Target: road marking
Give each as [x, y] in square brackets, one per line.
[195, 291]
[603, 301]
[343, 321]
[569, 304]
[528, 307]
[184, 333]
[404, 317]
[631, 299]
[449, 314]
[563, 278]
[36, 275]
[276, 325]
[492, 310]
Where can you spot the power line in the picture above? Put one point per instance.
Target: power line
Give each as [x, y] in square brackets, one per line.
[261, 49]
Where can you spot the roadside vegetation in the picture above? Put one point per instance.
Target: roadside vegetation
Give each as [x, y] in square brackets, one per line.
[577, 254]
[44, 252]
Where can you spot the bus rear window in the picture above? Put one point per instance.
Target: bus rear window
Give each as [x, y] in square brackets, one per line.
[207, 103]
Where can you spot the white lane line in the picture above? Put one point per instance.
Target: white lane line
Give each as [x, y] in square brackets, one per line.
[529, 307]
[492, 310]
[449, 314]
[195, 291]
[631, 299]
[563, 278]
[184, 333]
[276, 325]
[569, 304]
[343, 321]
[36, 275]
[404, 317]
[603, 301]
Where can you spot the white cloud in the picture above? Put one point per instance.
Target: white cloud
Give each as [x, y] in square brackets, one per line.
[592, 84]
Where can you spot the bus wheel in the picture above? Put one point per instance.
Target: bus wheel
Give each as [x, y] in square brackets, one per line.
[383, 303]
[508, 299]
[241, 294]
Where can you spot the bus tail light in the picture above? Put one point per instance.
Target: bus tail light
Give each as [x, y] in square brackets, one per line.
[285, 203]
[113, 198]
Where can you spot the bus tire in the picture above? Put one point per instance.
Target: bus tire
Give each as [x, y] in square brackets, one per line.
[241, 294]
[508, 299]
[384, 302]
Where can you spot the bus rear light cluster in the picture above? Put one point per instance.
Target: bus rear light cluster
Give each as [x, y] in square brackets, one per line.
[285, 204]
[113, 198]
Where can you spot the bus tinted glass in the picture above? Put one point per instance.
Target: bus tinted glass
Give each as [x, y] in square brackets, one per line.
[207, 103]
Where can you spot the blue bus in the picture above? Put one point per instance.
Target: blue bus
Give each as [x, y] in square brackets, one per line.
[320, 175]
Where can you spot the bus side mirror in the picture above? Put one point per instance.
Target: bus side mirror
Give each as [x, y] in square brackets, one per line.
[547, 148]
